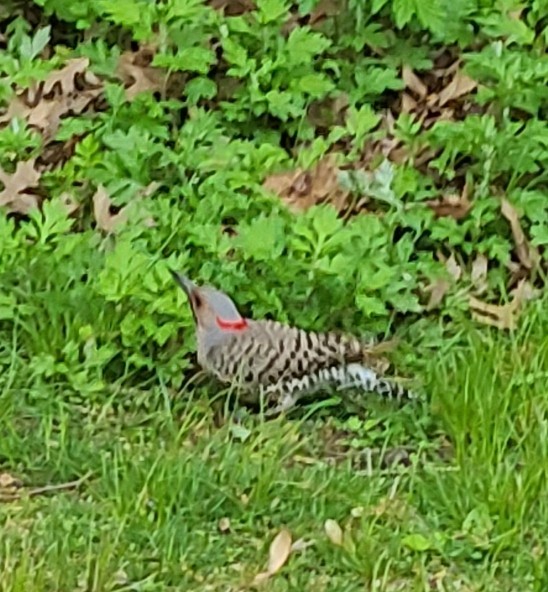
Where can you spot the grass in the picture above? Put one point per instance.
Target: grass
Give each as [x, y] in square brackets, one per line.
[466, 510]
[431, 121]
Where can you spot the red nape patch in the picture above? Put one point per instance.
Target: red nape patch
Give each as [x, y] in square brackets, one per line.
[238, 325]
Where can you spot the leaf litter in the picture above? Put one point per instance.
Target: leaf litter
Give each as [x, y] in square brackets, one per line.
[527, 254]
[503, 316]
[278, 554]
[456, 206]
[12, 489]
[70, 90]
[138, 75]
[102, 211]
[108, 218]
[301, 189]
[18, 194]
[333, 531]
[439, 94]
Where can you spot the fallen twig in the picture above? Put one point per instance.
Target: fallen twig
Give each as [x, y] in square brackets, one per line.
[16, 495]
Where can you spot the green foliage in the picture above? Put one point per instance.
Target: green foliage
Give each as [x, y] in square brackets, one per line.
[20, 64]
[285, 80]
[251, 81]
[512, 78]
[97, 342]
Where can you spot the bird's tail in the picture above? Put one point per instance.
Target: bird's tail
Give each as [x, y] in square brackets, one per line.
[358, 376]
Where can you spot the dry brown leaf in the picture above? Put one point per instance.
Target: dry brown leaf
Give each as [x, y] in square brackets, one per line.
[527, 254]
[408, 103]
[333, 531]
[329, 111]
[69, 203]
[460, 85]
[456, 206]
[382, 347]
[479, 273]
[232, 7]
[438, 289]
[524, 292]
[499, 316]
[43, 105]
[324, 9]
[260, 578]
[15, 194]
[413, 82]
[374, 354]
[65, 78]
[45, 116]
[15, 490]
[424, 157]
[101, 210]
[301, 190]
[453, 268]
[301, 545]
[134, 69]
[503, 316]
[279, 552]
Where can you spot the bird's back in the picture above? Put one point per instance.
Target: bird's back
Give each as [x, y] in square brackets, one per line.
[268, 352]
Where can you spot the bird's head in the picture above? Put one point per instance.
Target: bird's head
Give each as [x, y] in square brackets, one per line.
[212, 310]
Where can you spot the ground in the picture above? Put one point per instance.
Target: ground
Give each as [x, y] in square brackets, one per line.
[375, 168]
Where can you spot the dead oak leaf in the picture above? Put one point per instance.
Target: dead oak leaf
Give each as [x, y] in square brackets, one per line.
[102, 211]
[413, 82]
[16, 195]
[479, 273]
[43, 105]
[65, 78]
[134, 70]
[279, 551]
[408, 103]
[527, 254]
[301, 545]
[524, 292]
[108, 221]
[45, 116]
[499, 316]
[503, 316]
[301, 190]
[324, 9]
[437, 289]
[453, 268]
[375, 354]
[70, 204]
[459, 86]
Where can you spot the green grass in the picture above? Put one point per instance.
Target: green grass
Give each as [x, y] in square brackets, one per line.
[446, 494]
[467, 511]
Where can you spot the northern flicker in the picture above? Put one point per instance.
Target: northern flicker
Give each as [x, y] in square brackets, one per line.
[274, 361]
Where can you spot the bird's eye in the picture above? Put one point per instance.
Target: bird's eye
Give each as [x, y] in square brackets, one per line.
[197, 302]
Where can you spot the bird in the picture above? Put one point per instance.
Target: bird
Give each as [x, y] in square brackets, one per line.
[274, 362]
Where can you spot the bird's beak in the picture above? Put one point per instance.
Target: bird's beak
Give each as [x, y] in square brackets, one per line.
[188, 286]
